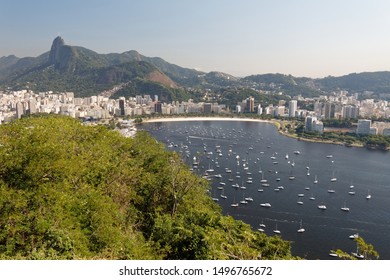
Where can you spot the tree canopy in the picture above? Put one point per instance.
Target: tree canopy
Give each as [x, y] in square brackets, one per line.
[69, 191]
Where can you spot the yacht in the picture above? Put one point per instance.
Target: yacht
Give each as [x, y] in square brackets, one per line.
[276, 229]
[301, 229]
[368, 195]
[345, 208]
[266, 205]
[315, 179]
[354, 236]
[322, 206]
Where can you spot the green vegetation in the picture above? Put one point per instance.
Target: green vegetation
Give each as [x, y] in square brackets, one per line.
[69, 191]
[142, 87]
[365, 249]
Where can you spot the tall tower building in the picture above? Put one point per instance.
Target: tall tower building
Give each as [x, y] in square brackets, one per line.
[32, 106]
[19, 109]
[122, 105]
[292, 108]
[250, 105]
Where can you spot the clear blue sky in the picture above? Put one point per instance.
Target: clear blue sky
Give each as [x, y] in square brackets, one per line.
[313, 38]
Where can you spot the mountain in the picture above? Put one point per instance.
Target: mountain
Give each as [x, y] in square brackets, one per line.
[85, 72]
[71, 68]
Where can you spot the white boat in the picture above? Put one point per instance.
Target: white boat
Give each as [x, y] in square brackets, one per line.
[354, 236]
[293, 164]
[329, 156]
[352, 193]
[249, 199]
[223, 196]
[260, 190]
[262, 225]
[286, 156]
[334, 255]
[345, 208]
[322, 207]
[300, 202]
[262, 179]
[368, 195]
[266, 205]
[276, 229]
[331, 191]
[333, 179]
[301, 229]
[297, 152]
[312, 197]
[234, 205]
[357, 254]
[315, 179]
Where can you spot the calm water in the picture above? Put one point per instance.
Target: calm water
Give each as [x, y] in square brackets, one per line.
[254, 151]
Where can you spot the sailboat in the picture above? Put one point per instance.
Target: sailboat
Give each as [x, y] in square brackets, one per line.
[357, 254]
[345, 208]
[276, 229]
[301, 229]
[262, 179]
[333, 179]
[223, 194]
[368, 195]
[315, 179]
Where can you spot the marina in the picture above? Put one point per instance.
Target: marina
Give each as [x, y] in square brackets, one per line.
[260, 190]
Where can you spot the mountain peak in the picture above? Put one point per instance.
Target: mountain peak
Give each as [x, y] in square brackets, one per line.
[57, 44]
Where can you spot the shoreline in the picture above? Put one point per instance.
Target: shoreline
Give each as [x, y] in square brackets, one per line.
[183, 119]
[274, 122]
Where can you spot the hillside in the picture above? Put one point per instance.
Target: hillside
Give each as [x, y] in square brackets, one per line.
[69, 68]
[69, 191]
[85, 72]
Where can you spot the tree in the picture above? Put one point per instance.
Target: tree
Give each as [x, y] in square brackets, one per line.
[365, 249]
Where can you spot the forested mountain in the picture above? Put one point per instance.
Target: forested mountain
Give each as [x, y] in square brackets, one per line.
[70, 68]
[69, 191]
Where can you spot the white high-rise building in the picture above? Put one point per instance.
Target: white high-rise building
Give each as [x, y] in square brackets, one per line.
[292, 108]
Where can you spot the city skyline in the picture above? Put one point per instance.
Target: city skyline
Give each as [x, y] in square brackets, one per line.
[300, 38]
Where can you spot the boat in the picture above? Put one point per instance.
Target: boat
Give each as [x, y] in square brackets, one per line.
[301, 229]
[286, 156]
[234, 205]
[333, 179]
[291, 177]
[345, 208]
[315, 179]
[266, 205]
[300, 202]
[293, 164]
[368, 195]
[329, 156]
[357, 254]
[333, 254]
[354, 236]
[262, 179]
[297, 152]
[277, 179]
[262, 225]
[223, 196]
[322, 206]
[276, 229]
[351, 192]
[249, 199]
[331, 191]
[312, 197]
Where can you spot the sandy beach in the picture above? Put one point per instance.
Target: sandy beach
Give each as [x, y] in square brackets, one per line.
[189, 119]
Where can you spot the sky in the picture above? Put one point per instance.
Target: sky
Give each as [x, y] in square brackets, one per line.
[311, 38]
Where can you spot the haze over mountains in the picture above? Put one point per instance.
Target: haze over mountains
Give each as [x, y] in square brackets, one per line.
[85, 72]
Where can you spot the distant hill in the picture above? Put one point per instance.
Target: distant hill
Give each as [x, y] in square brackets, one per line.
[69, 68]
[85, 72]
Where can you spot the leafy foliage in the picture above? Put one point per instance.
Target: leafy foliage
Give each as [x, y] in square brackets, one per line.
[69, 191]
